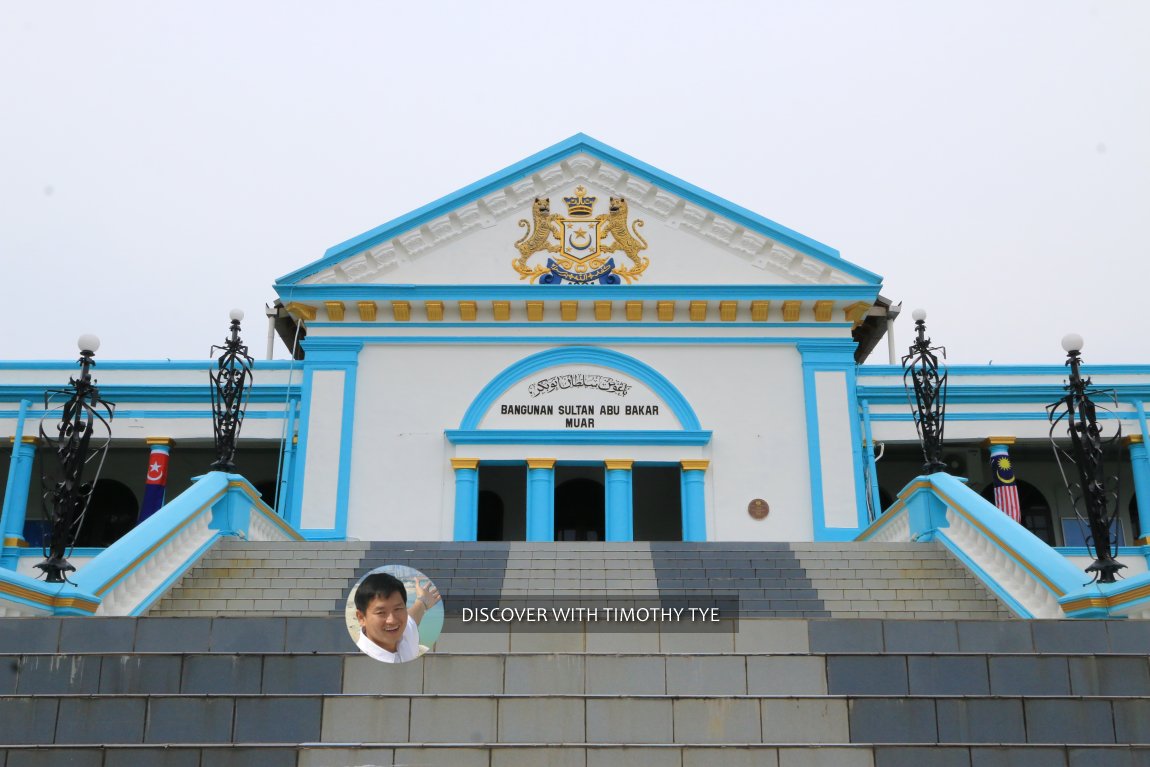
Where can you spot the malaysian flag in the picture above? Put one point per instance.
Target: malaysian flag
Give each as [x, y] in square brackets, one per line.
[1005, 488]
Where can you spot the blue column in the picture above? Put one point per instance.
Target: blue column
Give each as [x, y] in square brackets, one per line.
[1140, 467]
[16, 500]
[540, 499]
[695, 500]
[466, 498]
[620, 518]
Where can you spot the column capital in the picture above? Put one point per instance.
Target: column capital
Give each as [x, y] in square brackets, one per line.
[25, 440]
[695, 464]
[1132, 439]
[613, 464]
[991, 441]
[541, 463]
[162, 441]
[465, 463]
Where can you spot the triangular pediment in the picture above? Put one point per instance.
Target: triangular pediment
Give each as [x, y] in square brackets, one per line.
[557, 217]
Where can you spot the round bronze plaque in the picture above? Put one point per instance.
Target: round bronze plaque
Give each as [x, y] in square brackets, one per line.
[758, 509]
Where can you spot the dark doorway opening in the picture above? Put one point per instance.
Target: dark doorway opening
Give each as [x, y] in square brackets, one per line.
[112, 512]
[502, 503]
[657, 503]
[1036, 516]
[580, 504]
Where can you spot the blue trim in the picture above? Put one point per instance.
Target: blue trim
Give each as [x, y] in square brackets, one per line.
[1015, 416]
[693, 489]
[869, 371]
[521, 340]
[586, 355]
[540, 504]
[861, 520]
[148, 392]
[576, 144]
[347, 428]
[352, 291]
[102, 364]
[527, 325]
[15, 507]
[295, 510]
[620, 514]
[466, 527]
[160, 414]
[1082, 551]
[872, 464]
[560, 437]
[998, 393]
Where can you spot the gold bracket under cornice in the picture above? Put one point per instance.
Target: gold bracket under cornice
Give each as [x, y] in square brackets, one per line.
[791, 310]
[999, 441]
[1132, 439]
[634, 311]
[163, 441]
[759, 310]
[301, 311]
[434, 310]
[568, 311]
[603, 311]
[465, 463]
[728, 310]
[534, 311]
[366, 310]
[541, 463]
[334, 310]
[614, 464]
[697, 311]
[25, 440]
[468, 310]
[823, 310]
[401, 311]
[665, 310]
[501, 310]
[856, 312]
[695, 464]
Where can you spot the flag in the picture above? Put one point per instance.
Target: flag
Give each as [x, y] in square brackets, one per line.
[156, 480]
[1005, 488]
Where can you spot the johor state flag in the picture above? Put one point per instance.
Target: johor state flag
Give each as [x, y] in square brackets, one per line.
[156, 482]
[1005, 488]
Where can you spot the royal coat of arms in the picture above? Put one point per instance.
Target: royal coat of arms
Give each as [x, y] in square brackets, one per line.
[581, 243]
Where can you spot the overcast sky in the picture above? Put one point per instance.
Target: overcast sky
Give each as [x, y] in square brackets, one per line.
[161, 163]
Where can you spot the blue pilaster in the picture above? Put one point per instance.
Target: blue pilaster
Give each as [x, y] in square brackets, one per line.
[695, 500]
[16, 500]
[620, 517]
[1140, 467]
[466, 498]
[540, 499]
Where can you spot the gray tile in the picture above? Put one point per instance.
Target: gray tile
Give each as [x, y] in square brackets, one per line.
[28, 635]
[717, 720]
[866, 675]
[302, 674]
[994, 636]
[1113, 675]
[443, 757]
[805, 720]
[626, 675]
[947, 675]
[362, 674]
[1070, 636]
[56, 757]
[633, 756]
[916, 756]
[97, 635]
[463, 674]
[1085, 756]
[277, 720]
[541, 720]
[707, 675]
[826, 757]
[920, 636]
[28, 720]
[189, 720]
[366, 719]
[1132, 721]
[772, 635]
[543, 674]
[786, 675]
[850, 635]
[1069, 721]
[248, 635]
[341, 757]
[232, 756]
[898, 720]
[1028, 675]
[629, 720]
[749, 756]
[222, 674]
[152, 757]
[317, 635]
[100, 720]
[1129, 636]
[137, 674]
[173, 634]
[1017, 756]
[532, 757]
[9, 673]
[453, 720]
[987, 720]
[47, 674]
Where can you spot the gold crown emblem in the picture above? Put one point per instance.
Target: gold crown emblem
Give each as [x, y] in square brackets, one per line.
[580, 204]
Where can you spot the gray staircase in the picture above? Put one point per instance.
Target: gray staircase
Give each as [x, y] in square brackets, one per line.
[283, 691]
[784, 580]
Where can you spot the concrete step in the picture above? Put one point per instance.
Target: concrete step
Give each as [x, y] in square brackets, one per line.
[770, 579]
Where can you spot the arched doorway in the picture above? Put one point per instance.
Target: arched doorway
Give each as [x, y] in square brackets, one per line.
[1036, 516]
[112, 512]
[580, 510]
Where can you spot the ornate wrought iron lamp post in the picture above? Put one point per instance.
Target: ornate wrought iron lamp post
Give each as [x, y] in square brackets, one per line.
[923, 376]
[84, 417]
[231, 385]
[1076, 411]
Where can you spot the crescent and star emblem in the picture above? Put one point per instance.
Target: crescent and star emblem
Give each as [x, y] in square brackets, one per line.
[155, 471]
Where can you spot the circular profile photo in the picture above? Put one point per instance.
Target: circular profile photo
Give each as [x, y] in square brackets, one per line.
[394, 614]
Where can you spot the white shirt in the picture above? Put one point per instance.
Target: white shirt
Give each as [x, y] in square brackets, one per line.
[408, 648]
